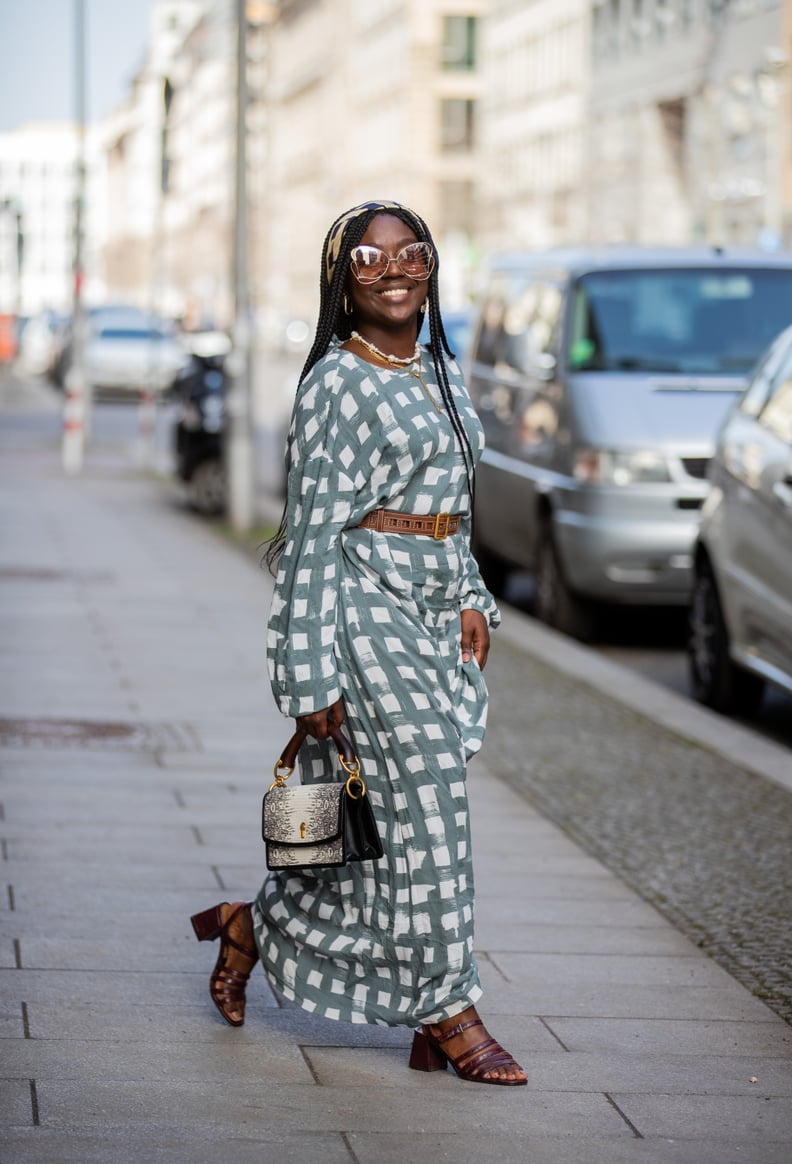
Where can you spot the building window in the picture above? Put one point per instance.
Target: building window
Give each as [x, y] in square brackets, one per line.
[459, 42]
[456, 125]
[687, 13]
[664, 18]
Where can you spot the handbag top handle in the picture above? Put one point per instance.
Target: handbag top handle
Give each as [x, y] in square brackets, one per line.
[346, 753]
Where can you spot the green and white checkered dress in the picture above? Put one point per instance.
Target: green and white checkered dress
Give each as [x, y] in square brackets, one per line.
[374, 617]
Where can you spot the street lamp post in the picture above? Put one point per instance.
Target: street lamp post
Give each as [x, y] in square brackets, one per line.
[239, 450]
[76, 410]
[12, 208]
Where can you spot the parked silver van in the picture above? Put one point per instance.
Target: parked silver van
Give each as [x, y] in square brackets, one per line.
[601, 378]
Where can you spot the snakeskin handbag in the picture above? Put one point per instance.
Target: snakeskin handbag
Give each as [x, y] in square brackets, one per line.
[327, 824]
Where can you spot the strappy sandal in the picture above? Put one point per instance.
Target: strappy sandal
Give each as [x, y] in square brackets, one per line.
[227, 984]
[472, 1065]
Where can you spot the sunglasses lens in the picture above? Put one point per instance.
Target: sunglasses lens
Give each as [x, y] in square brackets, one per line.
[369, 263]
[416, 260]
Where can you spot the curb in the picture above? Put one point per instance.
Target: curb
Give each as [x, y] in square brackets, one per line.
[685, 718]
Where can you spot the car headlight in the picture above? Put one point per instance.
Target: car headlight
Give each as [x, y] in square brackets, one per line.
[615, 467]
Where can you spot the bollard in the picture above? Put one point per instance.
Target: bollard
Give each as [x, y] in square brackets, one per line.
[73, 421]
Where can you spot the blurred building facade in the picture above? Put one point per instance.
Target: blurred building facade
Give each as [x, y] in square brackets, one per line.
[197, 197]
[689, 122]
[370, 99]
[531, 183]
[37, 192]
[505, 123]
[135, 243]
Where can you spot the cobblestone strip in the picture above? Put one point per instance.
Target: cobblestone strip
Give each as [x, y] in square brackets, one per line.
[704, 841]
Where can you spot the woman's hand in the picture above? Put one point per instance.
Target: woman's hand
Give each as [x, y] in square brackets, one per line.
[475, 637]
[319, 723]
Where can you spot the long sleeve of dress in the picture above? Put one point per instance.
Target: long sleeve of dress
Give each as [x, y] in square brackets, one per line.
[475, 595]
[321, 494]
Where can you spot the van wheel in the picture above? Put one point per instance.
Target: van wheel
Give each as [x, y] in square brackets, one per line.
[716, 680]
[207, 488]
[555, 603]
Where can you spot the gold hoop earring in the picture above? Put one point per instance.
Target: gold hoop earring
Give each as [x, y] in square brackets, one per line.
[347, 305]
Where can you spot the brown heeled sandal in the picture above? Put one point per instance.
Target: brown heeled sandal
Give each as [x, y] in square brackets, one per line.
[226, 985]
[472, 1065]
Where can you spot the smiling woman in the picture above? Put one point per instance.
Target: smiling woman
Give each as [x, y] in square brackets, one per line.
[379, 620]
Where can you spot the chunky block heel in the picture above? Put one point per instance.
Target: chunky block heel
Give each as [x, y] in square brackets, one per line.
[425, 1056]
[207, 925]
[227, 983]
[473, 1064]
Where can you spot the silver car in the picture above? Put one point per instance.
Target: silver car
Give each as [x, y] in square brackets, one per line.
[741, 612]
[601, 378]
[129, 350]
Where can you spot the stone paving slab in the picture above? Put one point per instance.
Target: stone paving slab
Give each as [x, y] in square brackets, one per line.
[665, 1036]
[623, 969]
[556, 938]
[622, 1001]
[702, 1117]
[636, 1075]
[173, 1145]
[298, 1108]
[15, 1101]
[493, 1145]
[110, 989]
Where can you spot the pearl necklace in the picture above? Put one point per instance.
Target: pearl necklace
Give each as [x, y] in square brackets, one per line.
[410, 364]
[396, 361]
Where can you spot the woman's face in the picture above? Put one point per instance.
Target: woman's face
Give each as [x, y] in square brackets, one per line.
[395, 299]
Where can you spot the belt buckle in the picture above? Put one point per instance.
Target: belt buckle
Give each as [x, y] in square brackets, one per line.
[441, 527]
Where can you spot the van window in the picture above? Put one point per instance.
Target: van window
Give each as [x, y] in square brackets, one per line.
[490, 340]
[531, 327]
[519, 328]
[692, 321]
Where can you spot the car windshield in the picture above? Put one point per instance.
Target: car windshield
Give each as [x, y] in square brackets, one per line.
[692, 321]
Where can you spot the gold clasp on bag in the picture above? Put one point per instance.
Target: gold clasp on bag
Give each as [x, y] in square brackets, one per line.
[441, 527]
[353, 777]
[303, 827]
[281, 777]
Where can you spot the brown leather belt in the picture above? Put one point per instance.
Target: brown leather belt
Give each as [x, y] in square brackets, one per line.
[433, 525]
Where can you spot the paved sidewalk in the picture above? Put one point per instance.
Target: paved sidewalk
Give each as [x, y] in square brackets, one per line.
[137, 737]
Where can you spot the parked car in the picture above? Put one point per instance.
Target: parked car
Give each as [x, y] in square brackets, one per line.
[601, 377]
[129, 350]
[37, 343]
[741, 610]
[458, 328]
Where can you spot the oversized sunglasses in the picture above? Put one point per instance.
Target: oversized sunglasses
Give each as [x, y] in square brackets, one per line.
[370, 263]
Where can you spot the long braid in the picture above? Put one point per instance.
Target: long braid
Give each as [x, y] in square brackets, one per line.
[333, 323]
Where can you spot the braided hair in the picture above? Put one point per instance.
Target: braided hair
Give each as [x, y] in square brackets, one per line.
[334, 324]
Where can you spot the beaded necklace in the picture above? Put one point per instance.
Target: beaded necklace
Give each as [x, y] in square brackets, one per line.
[410, 364]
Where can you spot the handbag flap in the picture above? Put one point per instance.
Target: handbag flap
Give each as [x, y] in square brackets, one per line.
[310, 814]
